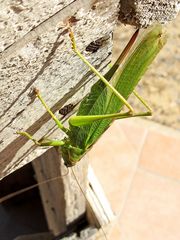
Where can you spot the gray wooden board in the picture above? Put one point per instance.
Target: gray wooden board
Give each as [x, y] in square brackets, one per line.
[43, 58]
[61, 197]
[36, 52]
[20, 17]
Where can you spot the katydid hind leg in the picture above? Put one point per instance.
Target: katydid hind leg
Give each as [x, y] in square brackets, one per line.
[85, 120]
[143, 101]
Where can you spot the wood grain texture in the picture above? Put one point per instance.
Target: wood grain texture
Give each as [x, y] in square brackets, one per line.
[20, 17]
[35, 51]
[61, 197]
[42, 57]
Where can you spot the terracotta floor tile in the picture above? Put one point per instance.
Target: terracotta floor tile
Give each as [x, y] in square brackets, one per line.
[114, 161]
[152, 210]
[135, 131]
[161, 154]
[115, 233]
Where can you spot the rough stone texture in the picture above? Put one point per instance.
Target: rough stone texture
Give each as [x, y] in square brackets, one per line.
[142, 13]
[43, 58]
[89, 233]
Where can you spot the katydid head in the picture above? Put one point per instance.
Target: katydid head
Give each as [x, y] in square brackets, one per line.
[71, 155]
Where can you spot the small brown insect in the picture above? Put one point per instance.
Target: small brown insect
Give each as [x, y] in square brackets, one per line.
[95, 45]
[73, 20]
[66, 109]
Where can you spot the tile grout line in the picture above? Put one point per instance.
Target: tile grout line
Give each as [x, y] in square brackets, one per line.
[148, 129]
[134, 174]
[158, 175]
[138, 166]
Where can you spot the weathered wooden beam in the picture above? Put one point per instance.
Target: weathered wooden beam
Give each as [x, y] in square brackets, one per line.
[62, 198]
[37, 53]
[48, 174]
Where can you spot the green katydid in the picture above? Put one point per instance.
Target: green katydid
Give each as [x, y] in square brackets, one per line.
[106, 99]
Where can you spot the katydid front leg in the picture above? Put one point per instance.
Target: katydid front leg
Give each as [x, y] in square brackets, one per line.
[46, 142]
[57, 121]
[102, 78]
[43, 142]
